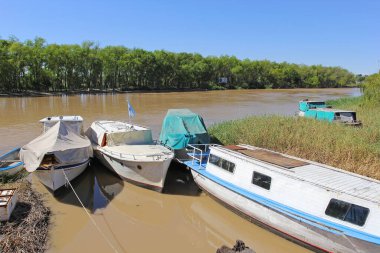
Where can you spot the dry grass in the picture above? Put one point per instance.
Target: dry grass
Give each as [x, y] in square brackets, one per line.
[353, 149]
[27, 229]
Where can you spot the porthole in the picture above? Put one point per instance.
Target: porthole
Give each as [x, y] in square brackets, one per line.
[139, 167]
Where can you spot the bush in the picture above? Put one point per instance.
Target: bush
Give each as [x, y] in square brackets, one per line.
[372, 89]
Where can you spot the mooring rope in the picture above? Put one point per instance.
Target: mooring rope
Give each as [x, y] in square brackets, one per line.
[89, 215]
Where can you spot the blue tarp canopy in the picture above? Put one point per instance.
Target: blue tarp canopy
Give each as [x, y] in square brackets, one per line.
[181, 127]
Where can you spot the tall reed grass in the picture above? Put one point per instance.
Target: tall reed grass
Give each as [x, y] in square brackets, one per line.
[353, 149]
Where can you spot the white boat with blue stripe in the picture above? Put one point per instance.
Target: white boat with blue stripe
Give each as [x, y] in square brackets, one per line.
[320, 207]
[10, 162]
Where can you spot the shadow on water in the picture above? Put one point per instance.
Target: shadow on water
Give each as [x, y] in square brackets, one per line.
[96, 187]
[179, 181]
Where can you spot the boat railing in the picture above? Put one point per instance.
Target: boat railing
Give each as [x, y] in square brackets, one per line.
[199, 152]
[154, 157]
[158, 142]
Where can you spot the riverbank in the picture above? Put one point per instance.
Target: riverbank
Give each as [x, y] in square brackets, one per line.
[27, 230]
[30, 93]
[353, 149]
[92, 92]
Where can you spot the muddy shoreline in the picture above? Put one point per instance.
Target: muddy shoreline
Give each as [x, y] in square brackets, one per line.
[28, 227]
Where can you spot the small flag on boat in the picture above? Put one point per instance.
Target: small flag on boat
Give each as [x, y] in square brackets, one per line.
[131, 111]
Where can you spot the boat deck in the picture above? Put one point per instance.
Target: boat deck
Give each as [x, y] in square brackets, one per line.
[118, 126]
[314, 173]
[139, 152]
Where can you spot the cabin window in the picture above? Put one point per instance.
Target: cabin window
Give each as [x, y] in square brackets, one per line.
[261, 180]
[222, 163]
[347, 212]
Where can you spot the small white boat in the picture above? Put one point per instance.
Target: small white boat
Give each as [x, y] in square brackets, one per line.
[129, 151]
[61, 153]
[10, 162]
[317, 206]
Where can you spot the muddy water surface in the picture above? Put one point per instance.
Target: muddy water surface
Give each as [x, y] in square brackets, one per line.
[138, 220]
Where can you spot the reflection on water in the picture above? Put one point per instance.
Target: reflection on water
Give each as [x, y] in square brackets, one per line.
[182, 219]
[95, 187]
[179, 181]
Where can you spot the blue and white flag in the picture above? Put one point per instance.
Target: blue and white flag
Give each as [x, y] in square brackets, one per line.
[131, 111]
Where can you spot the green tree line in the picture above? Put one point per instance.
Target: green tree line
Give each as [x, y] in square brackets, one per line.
[372, 89]
[36, 65]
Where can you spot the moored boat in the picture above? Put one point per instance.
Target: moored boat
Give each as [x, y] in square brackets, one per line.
[10, 162]
[60, 153]
[320, 207]
[180, 128]
[320, 111]
[129, 151]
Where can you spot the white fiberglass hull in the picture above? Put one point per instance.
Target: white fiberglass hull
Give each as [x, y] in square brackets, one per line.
[319, 239]
[54, 178]
[148, 173]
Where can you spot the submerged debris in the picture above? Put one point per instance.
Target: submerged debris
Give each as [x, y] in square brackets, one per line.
[238, 247]
[27, 228]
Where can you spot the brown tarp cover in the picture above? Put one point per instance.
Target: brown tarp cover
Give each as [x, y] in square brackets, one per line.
[269, 157]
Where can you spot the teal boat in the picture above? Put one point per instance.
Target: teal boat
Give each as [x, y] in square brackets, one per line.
[180, 128]
[319, 110]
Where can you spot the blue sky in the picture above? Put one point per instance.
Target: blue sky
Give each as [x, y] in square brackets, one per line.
[332, 33]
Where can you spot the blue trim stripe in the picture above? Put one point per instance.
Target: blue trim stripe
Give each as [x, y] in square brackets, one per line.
[299, 215]
[10, 152]
[14, 165]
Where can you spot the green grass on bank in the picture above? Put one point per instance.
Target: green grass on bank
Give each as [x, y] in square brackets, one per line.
[353, 149]
[9, 179]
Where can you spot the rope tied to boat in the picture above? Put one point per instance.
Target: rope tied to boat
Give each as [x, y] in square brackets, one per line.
[89, 215]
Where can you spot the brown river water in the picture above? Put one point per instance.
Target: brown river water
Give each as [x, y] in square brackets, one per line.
[134, 219]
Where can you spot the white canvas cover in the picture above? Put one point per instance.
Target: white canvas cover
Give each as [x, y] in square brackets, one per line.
[62, 141]
[118, 133]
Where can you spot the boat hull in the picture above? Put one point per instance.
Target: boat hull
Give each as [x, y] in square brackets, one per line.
[316, 238]
[147, 174]
[15, 165]
[13, 169]
[54, 178]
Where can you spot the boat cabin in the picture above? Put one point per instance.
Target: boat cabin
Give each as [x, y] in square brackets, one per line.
[332, 115]
[75, 122]
[320, 111]
[116, 133]
[306, 105]
[317, 194]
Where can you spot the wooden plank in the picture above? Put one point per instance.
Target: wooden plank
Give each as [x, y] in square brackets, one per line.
[234, 147]
[273, 158]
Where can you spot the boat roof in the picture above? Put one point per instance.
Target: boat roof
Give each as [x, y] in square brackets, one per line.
[312, 101]
[321, 175]
[110, 126]
[330, 110]
[74, 118]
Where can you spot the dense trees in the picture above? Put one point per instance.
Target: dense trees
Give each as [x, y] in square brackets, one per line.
[372, 88]
[36, 65]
